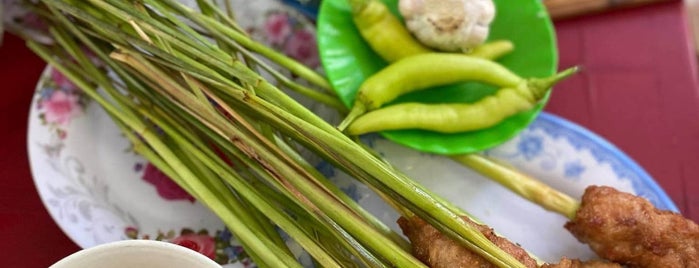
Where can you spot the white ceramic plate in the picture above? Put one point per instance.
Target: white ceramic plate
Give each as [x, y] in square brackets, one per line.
[98, 191]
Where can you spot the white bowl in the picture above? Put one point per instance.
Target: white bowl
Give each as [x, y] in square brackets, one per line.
[136, 253]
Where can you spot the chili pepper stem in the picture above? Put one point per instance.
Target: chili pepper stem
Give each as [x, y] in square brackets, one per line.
[358, 109]
[539, 86]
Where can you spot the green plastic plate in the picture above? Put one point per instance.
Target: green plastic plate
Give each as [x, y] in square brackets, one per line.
[348, 61]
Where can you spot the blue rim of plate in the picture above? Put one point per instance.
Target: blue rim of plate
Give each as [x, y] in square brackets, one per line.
[309, 8]
[601, 149]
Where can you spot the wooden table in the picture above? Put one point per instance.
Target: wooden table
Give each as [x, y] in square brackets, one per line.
[639, 91]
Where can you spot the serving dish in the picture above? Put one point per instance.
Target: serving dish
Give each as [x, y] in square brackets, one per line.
[98, 191]
[136, 254]
[348, 61]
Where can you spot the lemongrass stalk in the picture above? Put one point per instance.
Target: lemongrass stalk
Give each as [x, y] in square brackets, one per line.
[227, 17]
[427, 206]
[157, 161]
[235, 69]
[283, 221]
[259, 244]
[216, 26]
[196, 52]
[521, 184]
[400, 187]
[387, 231]
[164, 121]
[345, 238]
[229, 10]
[100, 79]
[245, 190]
[331, 241]
[318, 201]
[330, 100]
[286, 223]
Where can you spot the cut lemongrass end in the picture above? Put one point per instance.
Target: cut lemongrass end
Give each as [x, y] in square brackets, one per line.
[521, 184]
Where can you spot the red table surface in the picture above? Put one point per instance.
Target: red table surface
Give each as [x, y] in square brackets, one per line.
[639, 91]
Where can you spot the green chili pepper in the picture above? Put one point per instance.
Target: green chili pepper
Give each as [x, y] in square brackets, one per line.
[388, 37]
[459, 117]
[383, 31]
[423, 71]
[492, 49]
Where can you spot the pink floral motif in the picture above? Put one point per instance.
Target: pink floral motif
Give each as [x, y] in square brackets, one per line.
[277, 28]
[201, 243]
[60, 107]
[62, 82]
[302, 47]
[166, 188]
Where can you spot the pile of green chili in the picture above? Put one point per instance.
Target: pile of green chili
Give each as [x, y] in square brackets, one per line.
[413, 66]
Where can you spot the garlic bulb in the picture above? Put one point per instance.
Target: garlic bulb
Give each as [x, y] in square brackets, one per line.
[448, 25]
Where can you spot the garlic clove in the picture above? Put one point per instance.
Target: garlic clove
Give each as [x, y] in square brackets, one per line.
[448, 25]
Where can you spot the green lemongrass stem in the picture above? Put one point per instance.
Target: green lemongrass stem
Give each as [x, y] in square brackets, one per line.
[143, 150]
[154, 159]
[345, 238]
[207, 9]
[235, 69]
[315, 199]
[348, 238]
[70, 26]
[215, 26]
[230, 173]
[93, 73]
[521, 184]
[227, 17]
[315, 95]
[194, 53]
[330, 100]
[255, 198]
[262, 247]
[387, 231]
[166, 46]
[125, 13]
[236, 207]
[326, 187]
[400, 187]
[164, 120]
[229, 9]
[422, 199]
[319, 230]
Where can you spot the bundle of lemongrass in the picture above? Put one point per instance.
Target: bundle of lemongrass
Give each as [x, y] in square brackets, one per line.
[189, 95]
